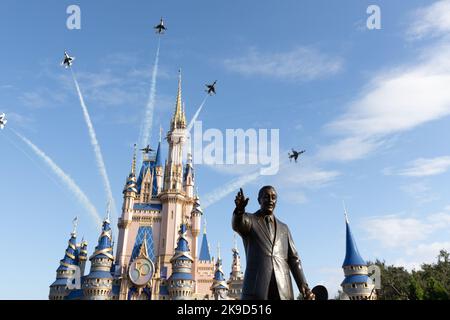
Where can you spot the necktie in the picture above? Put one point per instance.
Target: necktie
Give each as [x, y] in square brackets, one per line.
[269, 223]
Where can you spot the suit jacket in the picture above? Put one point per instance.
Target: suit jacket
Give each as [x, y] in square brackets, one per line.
[265, 256]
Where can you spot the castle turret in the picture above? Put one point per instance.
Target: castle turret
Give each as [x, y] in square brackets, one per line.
[159, 170]
[357, 285]
[181, 283]
[205, 254]
[129, 198]
[67, 274]
[98, 284]
[204, 266]
[236, 280]
[219, 287]
[176, 139]
[82, 257]
[188, 179]
[173, 197]
[196, 217]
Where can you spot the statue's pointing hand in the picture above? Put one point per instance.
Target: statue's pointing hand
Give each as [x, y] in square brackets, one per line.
[240, 201]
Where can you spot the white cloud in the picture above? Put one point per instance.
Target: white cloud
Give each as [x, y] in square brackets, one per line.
[393, 231]
[426, 167]
[433, 20]
[306, 176]
[415, 256]
[402, 231]
[347, 149]
[420, 191]
[394, 102]
[20, 120]
[331, 278]
[299, 64]
[400, 98]
[42, 98]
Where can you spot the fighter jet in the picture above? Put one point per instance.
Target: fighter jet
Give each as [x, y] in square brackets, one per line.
[147, 149]
[160, 28]
[68, 60]
[3, 120]
[210, 88]
[294, 155]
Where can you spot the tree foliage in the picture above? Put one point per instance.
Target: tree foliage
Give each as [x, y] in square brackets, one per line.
[430, 282]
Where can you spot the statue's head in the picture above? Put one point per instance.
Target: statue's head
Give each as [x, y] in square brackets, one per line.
[267, 198]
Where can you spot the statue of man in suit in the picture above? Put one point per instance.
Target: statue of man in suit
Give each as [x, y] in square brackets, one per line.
[270, 251]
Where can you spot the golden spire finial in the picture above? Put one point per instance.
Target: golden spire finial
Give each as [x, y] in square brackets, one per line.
[75, 225]
[160, 132]
[179, 120]
[133, 165]
[108, 211]
[345, 211]
[218, 251]
[204, 225]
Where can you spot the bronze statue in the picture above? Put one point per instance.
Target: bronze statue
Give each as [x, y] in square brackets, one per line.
[269, 249]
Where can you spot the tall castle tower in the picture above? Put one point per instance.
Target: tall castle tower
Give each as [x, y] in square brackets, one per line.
[97, 285]
[181, 284]
[236, 280]
[156, 202]
[219, 287]
[357, 285]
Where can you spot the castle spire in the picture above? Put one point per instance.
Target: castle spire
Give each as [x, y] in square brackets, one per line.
[75, 225]
[181, 282]
[179, 118]
[66, 272]
[205, 254]
[352, 256]
[357, 284]
[219, 286]
[236, 280]
[133, 165]
[98, 283]
[108, 212]
[345, 212]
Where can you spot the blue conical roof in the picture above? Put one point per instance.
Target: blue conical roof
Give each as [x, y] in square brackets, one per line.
[147, 165]
[182, 245]
[204, 250]
[352, 256]
[104, 248]
[158, 156]
[218, 274]
[182, 250]
[71, 255]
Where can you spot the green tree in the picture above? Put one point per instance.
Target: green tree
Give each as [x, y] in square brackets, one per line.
[435, 290]
[416, 291]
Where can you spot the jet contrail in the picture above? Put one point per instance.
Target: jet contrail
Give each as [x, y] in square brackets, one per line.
[233, 186]
[66, 179]
[97, 151]
[146, 127]
[196, 115]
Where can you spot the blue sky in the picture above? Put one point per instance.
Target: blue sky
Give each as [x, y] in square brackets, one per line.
[370, 107]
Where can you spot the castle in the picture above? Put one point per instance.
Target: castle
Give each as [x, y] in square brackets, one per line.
[157, 255]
